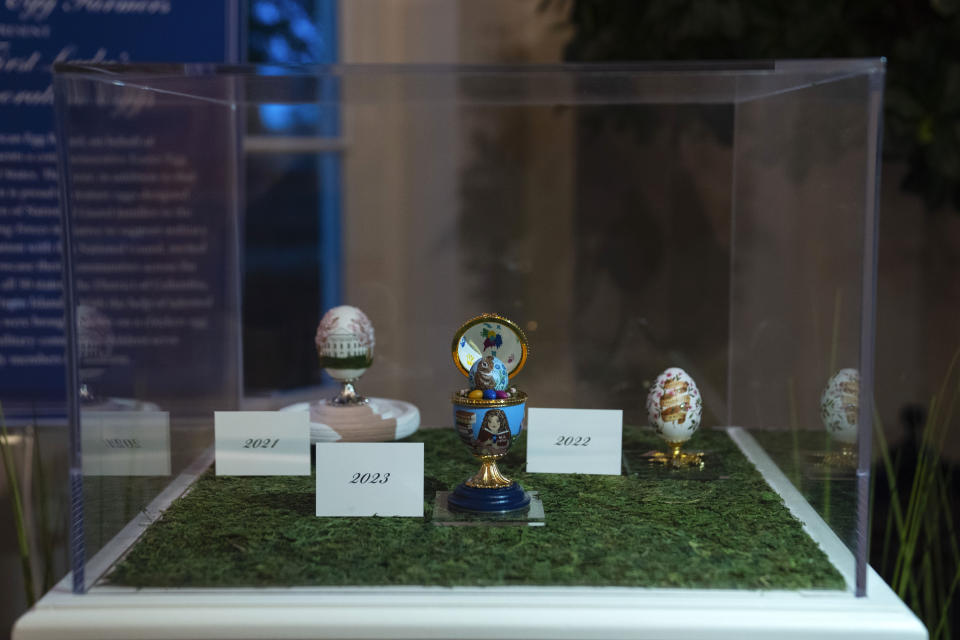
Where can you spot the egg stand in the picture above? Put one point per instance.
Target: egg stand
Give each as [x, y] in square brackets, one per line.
[348, 396]
[678, 459]
[846, 458]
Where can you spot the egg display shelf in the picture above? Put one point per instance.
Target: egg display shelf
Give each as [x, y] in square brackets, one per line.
[602, 530]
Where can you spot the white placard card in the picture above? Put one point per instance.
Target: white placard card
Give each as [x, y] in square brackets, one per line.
[125, 443]
[262, 443]
[574, 441]
[370, 479]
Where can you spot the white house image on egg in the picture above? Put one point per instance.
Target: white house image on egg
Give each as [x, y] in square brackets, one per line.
[344, 345]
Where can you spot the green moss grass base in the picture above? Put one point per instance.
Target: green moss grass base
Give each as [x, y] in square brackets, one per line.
[601, 530]
[831, 491]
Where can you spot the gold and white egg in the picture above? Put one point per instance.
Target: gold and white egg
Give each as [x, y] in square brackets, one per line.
[674, 406]
[840, 404]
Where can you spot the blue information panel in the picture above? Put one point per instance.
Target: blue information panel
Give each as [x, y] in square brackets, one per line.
[34, 34]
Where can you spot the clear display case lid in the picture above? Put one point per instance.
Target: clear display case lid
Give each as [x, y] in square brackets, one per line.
[555, 84]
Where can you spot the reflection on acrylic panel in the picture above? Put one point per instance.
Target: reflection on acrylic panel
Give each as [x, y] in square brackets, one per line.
[840, 405]
[125, 443]
[292, 229]
[624, 209]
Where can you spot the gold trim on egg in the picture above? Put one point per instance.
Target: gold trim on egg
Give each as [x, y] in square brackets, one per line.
[491, 317]
[479, 403]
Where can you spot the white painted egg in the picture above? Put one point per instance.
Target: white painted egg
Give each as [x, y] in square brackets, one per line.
[674, 406]
[840, 404]
[345, 343]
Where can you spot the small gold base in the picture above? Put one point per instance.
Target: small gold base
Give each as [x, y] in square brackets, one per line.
[678, 459]
[489, 476]
[846, 458]
[348, 396]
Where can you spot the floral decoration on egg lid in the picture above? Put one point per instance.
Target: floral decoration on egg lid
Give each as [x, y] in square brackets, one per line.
[490, 334]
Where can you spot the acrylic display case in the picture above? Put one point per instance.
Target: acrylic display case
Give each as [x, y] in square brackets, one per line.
[718, 217]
